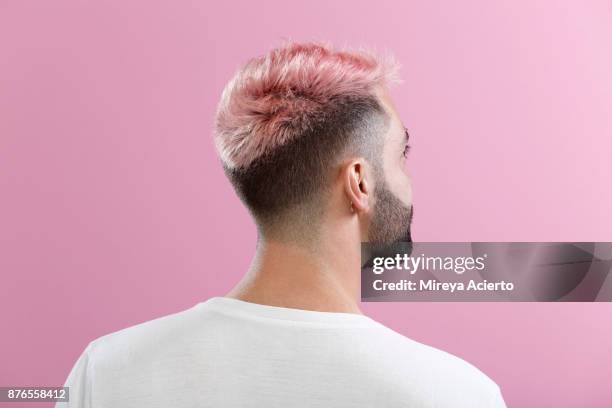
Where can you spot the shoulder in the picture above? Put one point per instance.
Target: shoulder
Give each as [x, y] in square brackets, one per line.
[438, 370]
[139, 343]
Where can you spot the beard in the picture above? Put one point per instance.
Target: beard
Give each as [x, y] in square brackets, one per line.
[391, 219]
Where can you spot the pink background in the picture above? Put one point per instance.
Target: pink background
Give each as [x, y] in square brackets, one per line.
[114, 209]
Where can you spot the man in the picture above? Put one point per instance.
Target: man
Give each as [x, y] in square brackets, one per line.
[311, 141]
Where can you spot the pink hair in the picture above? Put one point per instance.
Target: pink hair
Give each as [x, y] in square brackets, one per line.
[274, 98]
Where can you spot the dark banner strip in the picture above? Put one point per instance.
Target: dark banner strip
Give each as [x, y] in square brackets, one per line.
[487, 272]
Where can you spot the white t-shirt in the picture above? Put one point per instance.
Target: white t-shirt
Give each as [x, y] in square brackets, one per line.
[229, 353]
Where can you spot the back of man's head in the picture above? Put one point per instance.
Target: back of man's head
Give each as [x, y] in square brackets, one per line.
[288, 118]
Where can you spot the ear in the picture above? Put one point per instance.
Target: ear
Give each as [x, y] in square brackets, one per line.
[357, 185]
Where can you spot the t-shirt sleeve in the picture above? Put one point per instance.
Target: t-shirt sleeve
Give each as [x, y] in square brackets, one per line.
[79, 383]
[498, 400]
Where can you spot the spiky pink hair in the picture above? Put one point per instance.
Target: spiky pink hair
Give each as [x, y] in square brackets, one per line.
[274, 98]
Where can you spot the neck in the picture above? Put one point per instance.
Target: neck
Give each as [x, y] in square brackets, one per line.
[289, 275]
